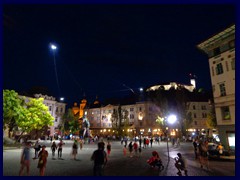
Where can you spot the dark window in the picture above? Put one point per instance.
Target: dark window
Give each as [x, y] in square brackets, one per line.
[222, 89]
[131, 109]
[56, 119]
[131, 116]
[219, 69]
[195, 122]
[194, 107]
[140, 108]
[194, 115]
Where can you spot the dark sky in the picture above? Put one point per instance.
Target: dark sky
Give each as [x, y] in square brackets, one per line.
[102, 47]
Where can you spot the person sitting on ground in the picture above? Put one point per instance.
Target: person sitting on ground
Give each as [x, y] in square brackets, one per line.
[155, 160]
[180, 164]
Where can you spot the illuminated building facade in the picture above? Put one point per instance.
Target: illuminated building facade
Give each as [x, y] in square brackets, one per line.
[221, 56]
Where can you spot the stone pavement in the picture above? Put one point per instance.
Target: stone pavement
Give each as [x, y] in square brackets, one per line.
[118, 165]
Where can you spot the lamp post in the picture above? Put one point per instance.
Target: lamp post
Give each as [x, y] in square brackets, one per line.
[171, 119]
[54, 48]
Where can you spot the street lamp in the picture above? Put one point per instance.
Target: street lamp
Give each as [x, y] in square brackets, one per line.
[54, 48]
[171, 119]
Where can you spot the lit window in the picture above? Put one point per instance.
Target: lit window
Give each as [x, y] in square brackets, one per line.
[225, 113]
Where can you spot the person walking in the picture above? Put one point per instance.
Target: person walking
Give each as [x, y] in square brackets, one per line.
[108, 148]
[99, 158]
[42, 162]
[124, 150]
[53, 148]
[135, 147]
[130, 148]
[37, 148]
[25, 159]
[195, 146]
[74, 149]
[60, 145]
[203, 154]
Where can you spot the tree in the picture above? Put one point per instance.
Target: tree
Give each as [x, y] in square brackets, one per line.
[12, 108]
[168, 102]
[34, 116]
[211, 119]
[69, 123]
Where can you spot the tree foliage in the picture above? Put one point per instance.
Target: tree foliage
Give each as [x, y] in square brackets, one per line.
[69, 123]
[26, 116]
[12, 108]
[211, 119]
[35, 116]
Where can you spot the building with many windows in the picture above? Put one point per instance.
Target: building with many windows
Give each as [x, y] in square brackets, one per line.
[220, 49]
[142, 116]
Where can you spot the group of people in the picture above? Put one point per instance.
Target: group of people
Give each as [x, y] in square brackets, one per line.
[25, 158]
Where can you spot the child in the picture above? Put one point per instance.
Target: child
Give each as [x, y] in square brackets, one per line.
[125, 150]
[155, 160]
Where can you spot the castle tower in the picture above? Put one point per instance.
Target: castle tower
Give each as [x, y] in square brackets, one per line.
[193, 80]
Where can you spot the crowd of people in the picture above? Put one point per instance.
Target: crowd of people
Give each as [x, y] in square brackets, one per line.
[130, 148]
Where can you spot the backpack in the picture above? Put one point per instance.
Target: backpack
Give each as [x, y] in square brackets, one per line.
[99, 156]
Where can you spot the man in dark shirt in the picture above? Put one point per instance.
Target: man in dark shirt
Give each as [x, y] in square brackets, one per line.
[181, 164]
[99, 157]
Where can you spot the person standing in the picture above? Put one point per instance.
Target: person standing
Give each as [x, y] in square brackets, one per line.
[25, 159]
[151, 141]
[140, 142]
[60, 144]
[53, 147]
[108, 148]
[42, 162]
[99, 158]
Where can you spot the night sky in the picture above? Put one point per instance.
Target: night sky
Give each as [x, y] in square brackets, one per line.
[104, 50]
